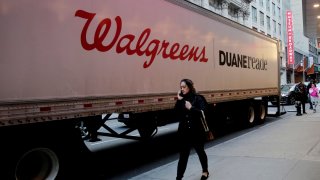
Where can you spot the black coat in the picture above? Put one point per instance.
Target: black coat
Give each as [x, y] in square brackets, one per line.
[190, 126]
[300, 93]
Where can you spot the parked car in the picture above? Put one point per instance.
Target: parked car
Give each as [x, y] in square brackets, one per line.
[287, 94]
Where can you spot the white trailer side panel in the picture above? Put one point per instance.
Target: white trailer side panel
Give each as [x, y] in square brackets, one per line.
[42, 56]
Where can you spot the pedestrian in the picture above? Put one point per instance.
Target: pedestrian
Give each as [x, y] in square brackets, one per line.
[301, 97]
[190, 131]
[314, 96]
[309, 98]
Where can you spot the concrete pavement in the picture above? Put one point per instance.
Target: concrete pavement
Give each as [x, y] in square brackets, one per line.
[286, 149]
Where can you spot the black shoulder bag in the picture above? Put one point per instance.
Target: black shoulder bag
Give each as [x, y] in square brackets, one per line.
[209, 135]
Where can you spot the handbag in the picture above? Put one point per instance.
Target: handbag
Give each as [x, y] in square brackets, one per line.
[209, 135]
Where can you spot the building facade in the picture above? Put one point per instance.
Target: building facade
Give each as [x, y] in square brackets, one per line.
[269, 17]
[306, 52]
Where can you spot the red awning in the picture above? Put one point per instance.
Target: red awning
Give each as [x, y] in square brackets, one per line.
[298, 68]
[310, 70]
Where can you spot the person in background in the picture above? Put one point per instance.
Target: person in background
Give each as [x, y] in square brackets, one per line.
[190, 131]
[314, 96]
[301, 96]
[309, 98]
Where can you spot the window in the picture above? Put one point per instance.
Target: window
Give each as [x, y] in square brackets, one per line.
[254, 15]
[268, 23]
[215, 3]
[261, 19]
[268, 5]
[279, 13]
[261, 3]
[273, 9]
[279, 29]
[233, 11]
[274, 27]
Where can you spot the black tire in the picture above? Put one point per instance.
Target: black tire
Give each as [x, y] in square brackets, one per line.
[45, 151]
[260, 113]
[38, 163]
[248, 115]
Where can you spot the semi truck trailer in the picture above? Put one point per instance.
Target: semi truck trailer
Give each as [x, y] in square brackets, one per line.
[66, 63]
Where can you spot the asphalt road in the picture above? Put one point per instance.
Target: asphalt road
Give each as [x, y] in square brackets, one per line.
[116, 158]
[284, 148]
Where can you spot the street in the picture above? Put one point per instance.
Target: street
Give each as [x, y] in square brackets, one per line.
[267, 151]
[284, 148]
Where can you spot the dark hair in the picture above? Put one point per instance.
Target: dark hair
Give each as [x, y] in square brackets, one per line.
[189, 83]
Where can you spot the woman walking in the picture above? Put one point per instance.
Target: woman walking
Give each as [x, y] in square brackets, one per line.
[190, 130]
[314, 96]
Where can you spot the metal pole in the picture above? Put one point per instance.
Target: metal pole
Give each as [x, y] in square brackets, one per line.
[292, 75]
[303, 78]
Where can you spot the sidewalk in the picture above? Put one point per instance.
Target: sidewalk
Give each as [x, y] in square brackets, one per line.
[286, 149]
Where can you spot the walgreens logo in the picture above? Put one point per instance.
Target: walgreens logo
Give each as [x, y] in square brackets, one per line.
[135, 44]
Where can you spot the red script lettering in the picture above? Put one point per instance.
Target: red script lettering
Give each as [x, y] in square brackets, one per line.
[143, 46]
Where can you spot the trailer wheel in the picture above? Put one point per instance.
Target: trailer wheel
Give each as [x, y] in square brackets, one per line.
[40, 163]
[249, 116]
[261, 113]
[42, 151]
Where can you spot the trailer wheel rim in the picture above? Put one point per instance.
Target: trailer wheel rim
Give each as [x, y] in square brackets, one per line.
[262, 111]
[250, 115]
[40, 163]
